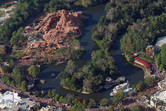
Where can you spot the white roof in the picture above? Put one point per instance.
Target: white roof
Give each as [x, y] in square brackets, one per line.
[160, 96]
[161, 41]
[9, 98]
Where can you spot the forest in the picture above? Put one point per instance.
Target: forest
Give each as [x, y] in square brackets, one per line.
[120, 15]
[160, 58]
[142, 33]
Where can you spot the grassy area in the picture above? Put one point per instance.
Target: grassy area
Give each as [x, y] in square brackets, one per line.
[148, 60]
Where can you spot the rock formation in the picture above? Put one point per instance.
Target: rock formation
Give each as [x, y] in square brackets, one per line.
[52, 31]
[56, 27]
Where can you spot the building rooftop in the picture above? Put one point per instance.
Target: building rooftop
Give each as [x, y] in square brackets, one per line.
[10, 101]
[11, 3]
[143, 62]
[159, 96]
[8, 98]
[160, 41]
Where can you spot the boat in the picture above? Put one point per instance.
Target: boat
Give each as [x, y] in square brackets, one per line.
[120, 87]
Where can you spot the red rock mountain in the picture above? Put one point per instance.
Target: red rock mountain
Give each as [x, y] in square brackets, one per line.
[56, 27]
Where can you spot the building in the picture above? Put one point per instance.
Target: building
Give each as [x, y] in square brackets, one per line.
[162, 85]
[151, 50]
[48, 108]
[157, 98]
[160, 41]
[108, 79]
[8, 98]
[11, 3]
[10, 101]
[143, 62]
[146, 66]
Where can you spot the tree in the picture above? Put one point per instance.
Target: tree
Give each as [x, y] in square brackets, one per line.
[118, 98]
[86, 3]
[19, 75]
[61, 99]
[104, 102]
[92, 103]
[88, 85]
[149, 81]
[49, 93]
[37, 93]
[70, 68]
[6, 79]
[78, 107]
[70, 99]
[5, 69]
[163, 55]
[53, 92]
[140, 86]
[121, 93]
[24, 86]
[33, 71]
[17, 37]
[111, 108]
[56, 97]
[84, 102]
[12, 64]
[137, 108]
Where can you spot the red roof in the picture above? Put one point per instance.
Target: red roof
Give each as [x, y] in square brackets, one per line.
[10, 3]
[143, 62]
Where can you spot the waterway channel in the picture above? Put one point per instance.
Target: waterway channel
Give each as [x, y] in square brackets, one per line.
[132, 73]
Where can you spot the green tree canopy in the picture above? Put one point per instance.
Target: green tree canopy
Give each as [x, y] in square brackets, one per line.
[149, 81]
[104, 102]
[34, 71]
[23, 86]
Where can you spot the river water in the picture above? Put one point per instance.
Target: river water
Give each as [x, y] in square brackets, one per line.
[132, 73]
